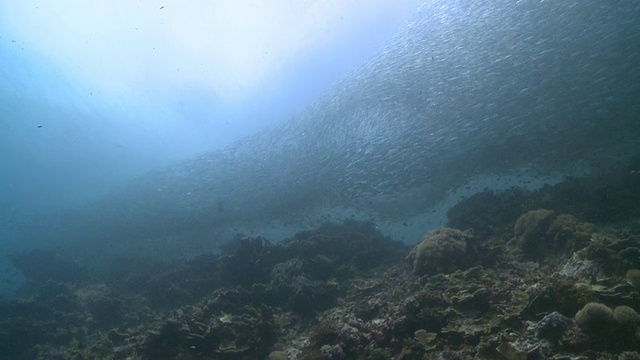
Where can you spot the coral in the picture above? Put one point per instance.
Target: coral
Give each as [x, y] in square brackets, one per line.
[106, 307]
[604, 329]
[529, 232]
[290, 287]
[542, 236]
[442, 251]
[488, 213]
[596, 317]
[628, 337]
[341, 250]
[247, 261]
[601, 329]
[567, 234]
[342, 292]
[612, 254]
[633, 277]
[629, 355]
[167, 285]
[563, 295]
[195, 332]
[552, 326]
[626, 317]
[549, 331]
[277, 355]
[426, 339]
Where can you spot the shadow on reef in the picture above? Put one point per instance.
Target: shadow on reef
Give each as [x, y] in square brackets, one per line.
[602, 199]
[551, 274]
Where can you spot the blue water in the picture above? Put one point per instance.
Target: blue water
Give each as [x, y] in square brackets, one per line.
[468, 95]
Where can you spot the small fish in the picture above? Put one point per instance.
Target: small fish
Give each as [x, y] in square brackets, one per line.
[39, 126]
[161, 7]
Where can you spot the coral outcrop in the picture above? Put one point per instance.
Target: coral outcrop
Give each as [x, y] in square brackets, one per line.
[543, 236]
[442, 251]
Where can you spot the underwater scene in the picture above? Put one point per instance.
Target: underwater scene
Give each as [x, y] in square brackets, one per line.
[443, 179]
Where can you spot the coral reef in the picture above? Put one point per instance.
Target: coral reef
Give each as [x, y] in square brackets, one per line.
[489, 213]
[442, 251]
[519, 276]
[543, 236]
[596, 318]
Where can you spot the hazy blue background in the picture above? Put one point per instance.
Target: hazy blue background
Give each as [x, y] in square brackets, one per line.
[120, 87]
[93, 94]
[154, 129]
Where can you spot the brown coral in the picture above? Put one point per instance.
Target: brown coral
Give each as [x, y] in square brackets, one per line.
[596, 318]
[626, 317]
[442, 251]
[540, 235]
[529, 231]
